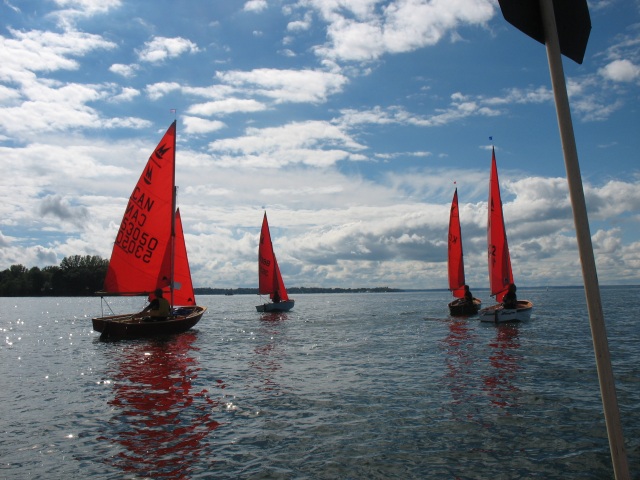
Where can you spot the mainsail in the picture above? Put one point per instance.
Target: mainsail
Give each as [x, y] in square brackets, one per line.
[269, 278]
[500, 274]
[455, 257]
[137, 262]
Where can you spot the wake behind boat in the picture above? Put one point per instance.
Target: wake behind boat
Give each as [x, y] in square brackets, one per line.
[150, 254]
[465, 303]
[269, 278]
[500, 274]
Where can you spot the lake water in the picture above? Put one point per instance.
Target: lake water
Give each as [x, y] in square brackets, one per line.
[373, 386]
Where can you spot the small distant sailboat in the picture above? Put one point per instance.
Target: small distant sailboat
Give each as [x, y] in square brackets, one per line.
[269, 278]
[150, 254]
[460, 306]
[500, 274]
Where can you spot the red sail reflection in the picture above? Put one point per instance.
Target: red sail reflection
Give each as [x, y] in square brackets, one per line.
[161, 423]
[506, 365]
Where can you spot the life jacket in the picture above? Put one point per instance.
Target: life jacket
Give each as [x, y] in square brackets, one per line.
[163, 308]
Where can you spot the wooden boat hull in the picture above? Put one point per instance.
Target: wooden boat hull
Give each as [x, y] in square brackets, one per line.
[461, 308]
[135, 326]
[499, 314]
[276, 307]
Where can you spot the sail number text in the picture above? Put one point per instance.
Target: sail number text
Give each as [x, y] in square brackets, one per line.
[131, 236]
[264, 263]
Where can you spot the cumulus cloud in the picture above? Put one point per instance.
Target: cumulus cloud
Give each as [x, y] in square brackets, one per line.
[4, 241]
[126, 71]
[27, 52]
[460, 107]
[287, 85]
[162, 48]
[195, 125]
[311, 143]
[361, 32]
[89, 7]
[60, 207]
[621, 71]
[126, 95]
[255, 6]
[158, 90]
[227, 106]
[73, 9]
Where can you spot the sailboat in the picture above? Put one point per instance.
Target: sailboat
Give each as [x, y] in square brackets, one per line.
[269, 278]
[500, 274]
[460, 306]
[149, 253]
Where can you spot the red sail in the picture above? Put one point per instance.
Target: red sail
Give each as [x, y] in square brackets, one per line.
[456, 263]
[144, 236]
[500, 275]
[182, 286]
[269, 278]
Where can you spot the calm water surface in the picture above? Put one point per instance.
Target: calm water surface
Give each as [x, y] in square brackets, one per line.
[344, 386]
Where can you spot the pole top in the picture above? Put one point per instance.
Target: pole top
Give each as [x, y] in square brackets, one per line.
[572, 21]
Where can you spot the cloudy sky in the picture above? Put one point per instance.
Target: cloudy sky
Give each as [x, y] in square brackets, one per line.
[350, 121]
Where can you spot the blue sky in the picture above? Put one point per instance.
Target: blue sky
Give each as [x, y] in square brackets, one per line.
[347, 120]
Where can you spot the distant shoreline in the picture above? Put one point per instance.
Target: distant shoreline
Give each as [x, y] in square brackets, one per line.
[303, 290]
[293, 290]
[322, 290]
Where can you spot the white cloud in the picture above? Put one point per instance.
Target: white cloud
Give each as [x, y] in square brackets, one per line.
[358, 31]
[41, 51]
[621, 71]
[158, 90]
[126, 95]
[255, 6]
[311, 143]
[8, 95]
[195, 125]
[89, 7]
[460, 107]
[298, 25]
[126, 71]
[287, 85]
[227, 106]
[74, 9]
[162, 48]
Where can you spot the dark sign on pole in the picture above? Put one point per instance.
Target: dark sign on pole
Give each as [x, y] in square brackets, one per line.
[572, 20]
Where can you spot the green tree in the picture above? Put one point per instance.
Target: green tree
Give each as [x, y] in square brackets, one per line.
[83, 275]
[76, 275]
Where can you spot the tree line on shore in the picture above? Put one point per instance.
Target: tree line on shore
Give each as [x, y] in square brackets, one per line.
[76, 275]
[79, 275]
[292, 290]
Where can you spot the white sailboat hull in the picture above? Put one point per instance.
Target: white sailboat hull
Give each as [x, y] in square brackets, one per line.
[499, 314]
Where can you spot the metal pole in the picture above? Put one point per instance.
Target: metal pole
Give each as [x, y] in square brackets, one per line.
[581, 221]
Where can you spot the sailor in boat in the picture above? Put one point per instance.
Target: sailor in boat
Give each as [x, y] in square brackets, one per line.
[510, 300]
[276, 297]
[468, 297]
[159, 308]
